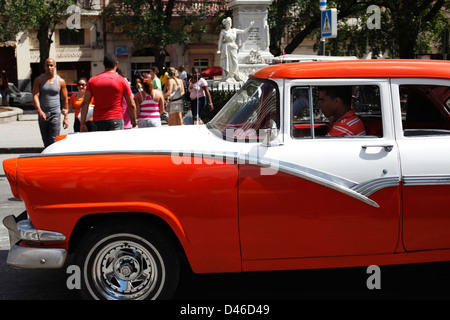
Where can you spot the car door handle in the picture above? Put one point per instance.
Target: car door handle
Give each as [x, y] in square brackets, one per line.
[387, 147]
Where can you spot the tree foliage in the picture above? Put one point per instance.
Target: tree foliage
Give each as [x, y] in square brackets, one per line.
[151, 23]
[39, 15]
[407, 26]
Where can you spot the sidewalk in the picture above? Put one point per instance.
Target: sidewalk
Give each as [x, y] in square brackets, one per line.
[23, 136]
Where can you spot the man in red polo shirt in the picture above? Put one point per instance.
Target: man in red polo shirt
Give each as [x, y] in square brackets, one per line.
[335, 104]
[108, 89]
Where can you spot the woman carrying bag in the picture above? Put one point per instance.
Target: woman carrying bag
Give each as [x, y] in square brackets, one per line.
[174, 92]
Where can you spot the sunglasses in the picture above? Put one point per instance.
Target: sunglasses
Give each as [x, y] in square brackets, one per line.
[81, 84]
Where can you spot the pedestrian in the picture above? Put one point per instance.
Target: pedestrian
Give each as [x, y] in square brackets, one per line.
[126, 115]
[199, 93]
[108, 88]
[150, 105]
[75, 104]
[154, 76]
[145, 76]
[4, 88]
[49, 90]
[174, 92]
[182, 74]
[163, 78]
[138, 85]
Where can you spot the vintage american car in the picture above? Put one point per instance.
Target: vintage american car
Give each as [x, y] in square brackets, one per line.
[260, 187]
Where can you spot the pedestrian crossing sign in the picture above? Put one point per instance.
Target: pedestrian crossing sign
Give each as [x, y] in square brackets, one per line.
[329, 23]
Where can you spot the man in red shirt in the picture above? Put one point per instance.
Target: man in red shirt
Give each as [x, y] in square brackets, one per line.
[335, 104]
[108, 89]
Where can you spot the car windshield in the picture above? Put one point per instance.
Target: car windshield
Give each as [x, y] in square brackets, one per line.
[248, 113]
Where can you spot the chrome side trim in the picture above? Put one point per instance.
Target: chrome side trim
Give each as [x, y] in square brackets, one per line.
[344, 186]
[426, 180]
[220, 157]
[360, 191]
[367, 188]
[295, 169]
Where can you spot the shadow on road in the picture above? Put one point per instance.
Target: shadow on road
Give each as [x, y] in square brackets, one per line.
[33, 284]
[407, 282]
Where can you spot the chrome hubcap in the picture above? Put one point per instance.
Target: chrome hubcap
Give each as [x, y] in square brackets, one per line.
[126, 270]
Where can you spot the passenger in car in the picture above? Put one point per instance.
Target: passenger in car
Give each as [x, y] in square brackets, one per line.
[335, 102]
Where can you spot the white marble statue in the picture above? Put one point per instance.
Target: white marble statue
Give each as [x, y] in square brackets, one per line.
[228, 49]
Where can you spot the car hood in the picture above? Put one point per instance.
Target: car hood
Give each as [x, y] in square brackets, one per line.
[175, 140]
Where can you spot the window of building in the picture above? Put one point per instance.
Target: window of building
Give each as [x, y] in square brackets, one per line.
[71, 37]
[201, 64]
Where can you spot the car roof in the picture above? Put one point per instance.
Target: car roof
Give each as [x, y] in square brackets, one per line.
[358, 69]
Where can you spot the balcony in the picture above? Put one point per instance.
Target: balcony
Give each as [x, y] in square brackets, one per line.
[65, 54]
[73, 53]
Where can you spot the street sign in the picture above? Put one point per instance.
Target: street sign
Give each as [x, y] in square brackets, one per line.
[322, 5]
[329, 23]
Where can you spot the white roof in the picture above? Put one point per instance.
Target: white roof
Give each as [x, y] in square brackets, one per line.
[307, 57]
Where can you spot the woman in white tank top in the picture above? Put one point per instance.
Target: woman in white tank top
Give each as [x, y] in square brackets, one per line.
[174, 92]
[150, 105]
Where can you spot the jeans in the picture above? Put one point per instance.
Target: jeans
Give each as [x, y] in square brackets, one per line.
[50, 128]
[109, 125]
[89, 124]
[201, 103]
[4, 93]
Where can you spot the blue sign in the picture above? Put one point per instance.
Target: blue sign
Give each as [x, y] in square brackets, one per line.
[329, 23]
[121, 51]
[322, 5]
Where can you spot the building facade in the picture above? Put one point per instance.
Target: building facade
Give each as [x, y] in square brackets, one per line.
[79, 52]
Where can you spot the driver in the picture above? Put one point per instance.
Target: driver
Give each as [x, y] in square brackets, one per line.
[335, 104]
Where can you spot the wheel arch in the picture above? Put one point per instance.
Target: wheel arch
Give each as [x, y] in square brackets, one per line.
[88, 222]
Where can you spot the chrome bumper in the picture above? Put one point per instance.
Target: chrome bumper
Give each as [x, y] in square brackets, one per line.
[32, 257]
[36, 258]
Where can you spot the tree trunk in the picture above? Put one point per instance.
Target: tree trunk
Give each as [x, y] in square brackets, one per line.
[160, 58]
[45, 40]
[299, 37]
[406, 45]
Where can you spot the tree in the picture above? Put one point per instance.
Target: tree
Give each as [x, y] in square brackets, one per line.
[39, 15]
[409, 19]
[408, 26]
[9, 27]
[150, 23]
[301, 18]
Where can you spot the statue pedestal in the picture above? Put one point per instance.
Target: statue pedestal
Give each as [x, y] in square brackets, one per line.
[253, 53]
[245, 70]
[249, 69]
[257, 38]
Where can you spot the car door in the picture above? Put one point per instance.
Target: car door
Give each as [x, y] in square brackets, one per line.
[422, 118]
[307, 195]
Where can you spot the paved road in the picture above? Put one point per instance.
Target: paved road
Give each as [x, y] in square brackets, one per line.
[412, 282]
[8, 204]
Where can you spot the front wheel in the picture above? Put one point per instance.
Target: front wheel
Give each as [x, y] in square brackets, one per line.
[127, 263]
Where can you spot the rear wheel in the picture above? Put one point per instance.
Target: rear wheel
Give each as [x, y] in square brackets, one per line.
[127, 263]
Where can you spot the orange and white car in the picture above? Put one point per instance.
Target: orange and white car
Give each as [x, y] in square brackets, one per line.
[260, 187]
